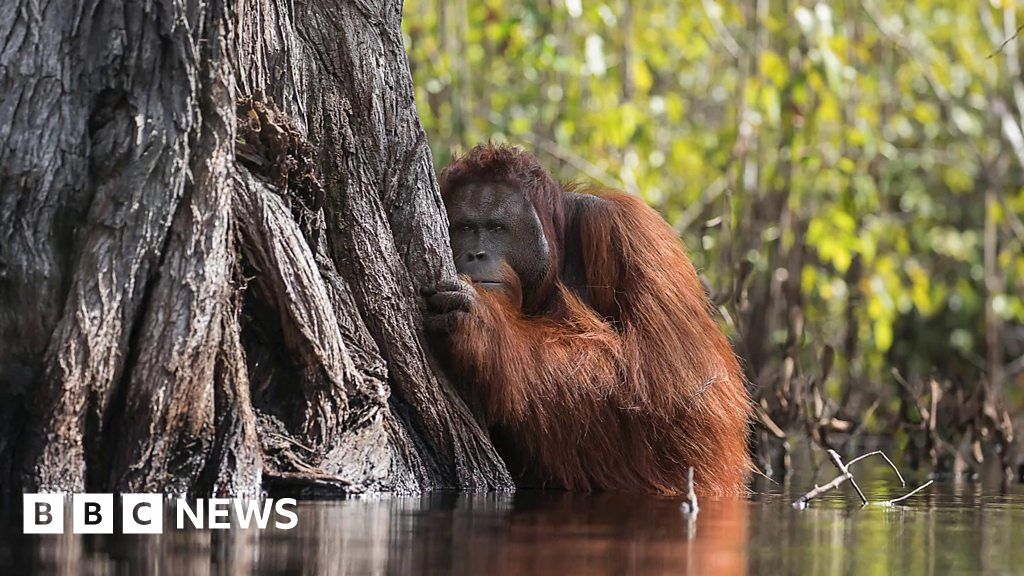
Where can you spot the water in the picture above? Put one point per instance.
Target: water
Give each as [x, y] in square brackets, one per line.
[950, 528]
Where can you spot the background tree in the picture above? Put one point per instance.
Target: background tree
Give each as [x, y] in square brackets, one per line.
[213, 218]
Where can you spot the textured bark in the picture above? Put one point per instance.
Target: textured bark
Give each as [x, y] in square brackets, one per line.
[213, 220]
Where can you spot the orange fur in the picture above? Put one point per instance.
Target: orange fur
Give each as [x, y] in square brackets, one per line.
[624, 391]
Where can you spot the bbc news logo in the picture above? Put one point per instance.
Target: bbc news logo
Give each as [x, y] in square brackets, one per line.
[144, 513]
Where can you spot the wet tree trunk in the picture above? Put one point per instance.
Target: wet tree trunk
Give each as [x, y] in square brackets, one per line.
[213, 220]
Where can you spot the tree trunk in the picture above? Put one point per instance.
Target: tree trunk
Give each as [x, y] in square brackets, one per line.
[213, 220]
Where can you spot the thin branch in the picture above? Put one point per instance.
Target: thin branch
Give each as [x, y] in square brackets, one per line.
[768, 423]
[838, 461]
[1013, 37]
[707, 197]
[907, 495]
[862, 424]
[1011, 129]
[581, 164]
[911, 395]
[801, 503]
[1014, 221]
[908, 44]
[1014, 368]
[882, 454]
[730, 44]
[845, 475]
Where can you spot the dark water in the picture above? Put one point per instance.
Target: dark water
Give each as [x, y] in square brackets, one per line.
[951, 528]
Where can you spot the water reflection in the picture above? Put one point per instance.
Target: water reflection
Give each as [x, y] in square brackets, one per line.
[955, 528]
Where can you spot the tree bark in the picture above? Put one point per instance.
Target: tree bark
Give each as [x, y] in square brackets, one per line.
[214, 217]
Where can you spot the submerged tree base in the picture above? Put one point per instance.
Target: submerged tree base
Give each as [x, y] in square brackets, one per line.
[213, 228]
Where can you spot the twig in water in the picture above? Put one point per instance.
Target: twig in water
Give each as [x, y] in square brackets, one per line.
[690, 507]
[846, 471]
[882, 454]
[818, 491]
[907, 495]
[845, 475]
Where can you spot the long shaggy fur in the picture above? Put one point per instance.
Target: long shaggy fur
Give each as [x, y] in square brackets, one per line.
[621, 386]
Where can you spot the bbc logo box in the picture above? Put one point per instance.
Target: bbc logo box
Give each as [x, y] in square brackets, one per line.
[43, 514]
[144, 513]
[92, 513]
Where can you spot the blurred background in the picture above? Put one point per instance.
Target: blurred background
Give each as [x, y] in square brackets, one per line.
[847, 176]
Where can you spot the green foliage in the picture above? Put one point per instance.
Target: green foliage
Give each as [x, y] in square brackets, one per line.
[847, 148]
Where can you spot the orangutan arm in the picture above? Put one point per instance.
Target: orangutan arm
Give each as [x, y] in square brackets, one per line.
[523, 368]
